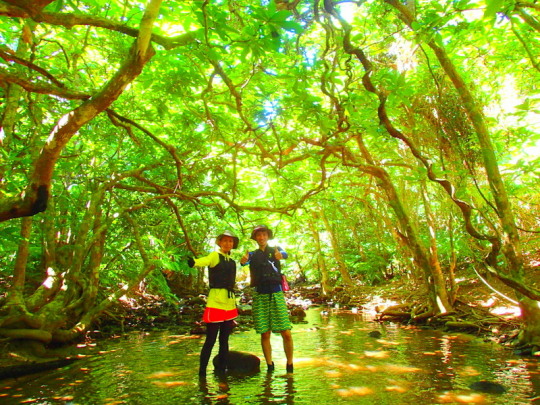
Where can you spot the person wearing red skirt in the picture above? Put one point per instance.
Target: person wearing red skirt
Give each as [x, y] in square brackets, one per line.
[220, 310]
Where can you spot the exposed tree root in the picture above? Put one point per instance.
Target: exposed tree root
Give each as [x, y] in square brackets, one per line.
[34, 334]
[463, 318]
[399, 312]
[421, 312]
[462, 325]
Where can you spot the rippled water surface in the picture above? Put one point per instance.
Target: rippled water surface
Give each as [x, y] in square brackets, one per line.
[336, 362]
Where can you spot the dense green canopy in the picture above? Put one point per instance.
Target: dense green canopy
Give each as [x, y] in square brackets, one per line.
[375, 138]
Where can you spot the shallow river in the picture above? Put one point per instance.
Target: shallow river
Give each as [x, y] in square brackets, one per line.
[337, 362]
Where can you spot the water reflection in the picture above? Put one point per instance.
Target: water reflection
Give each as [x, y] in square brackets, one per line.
[277, 390]
[338, 360]
[274, 389]
[217, 394]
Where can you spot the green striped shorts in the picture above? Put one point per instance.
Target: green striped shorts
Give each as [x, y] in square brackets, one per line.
[270, 312]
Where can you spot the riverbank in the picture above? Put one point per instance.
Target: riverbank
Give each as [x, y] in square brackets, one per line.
[478, 311]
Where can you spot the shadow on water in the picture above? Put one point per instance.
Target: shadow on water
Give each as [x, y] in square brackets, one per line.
[337, 361]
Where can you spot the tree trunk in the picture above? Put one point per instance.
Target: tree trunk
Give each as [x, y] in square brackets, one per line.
[439, 284]
[336, 251]
[529, 335]
[509, 240]
[453, 261]
[408, 234]
[325, 285]
[353, 227]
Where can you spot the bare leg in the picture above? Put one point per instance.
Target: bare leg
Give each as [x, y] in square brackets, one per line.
[288, 345]
[266, 347]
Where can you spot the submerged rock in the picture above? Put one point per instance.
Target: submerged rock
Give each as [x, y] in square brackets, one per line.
[487, 387]
[239, 363]
[297, 311]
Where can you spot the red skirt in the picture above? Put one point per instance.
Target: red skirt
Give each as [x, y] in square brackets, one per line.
[212, 315]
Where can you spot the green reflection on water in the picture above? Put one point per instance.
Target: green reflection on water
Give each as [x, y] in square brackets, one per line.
[336, 362]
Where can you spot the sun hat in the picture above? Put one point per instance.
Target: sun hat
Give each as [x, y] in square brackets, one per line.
[228, 233]
[262, 228]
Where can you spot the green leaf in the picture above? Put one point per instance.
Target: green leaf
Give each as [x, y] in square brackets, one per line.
[437, 37]
[292, 26]
[280, 16]
[493, 7]
[526, 105]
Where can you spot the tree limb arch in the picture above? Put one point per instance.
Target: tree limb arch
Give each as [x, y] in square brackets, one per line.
[70, 20]
[58, 91]
[9, 56]
[36, 194]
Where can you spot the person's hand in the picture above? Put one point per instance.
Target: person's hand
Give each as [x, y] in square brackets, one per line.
[245, 258]
[191, 262]
[278, 255]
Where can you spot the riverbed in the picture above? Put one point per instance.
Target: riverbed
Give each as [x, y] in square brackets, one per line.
[338, 360]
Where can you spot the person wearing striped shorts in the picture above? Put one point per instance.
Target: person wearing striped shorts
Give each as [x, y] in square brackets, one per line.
[270, 312]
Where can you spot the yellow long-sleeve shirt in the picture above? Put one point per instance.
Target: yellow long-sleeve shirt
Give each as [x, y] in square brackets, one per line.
[217, 297]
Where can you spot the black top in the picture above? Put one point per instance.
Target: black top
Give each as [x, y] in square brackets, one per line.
[264, 268]
[223, 275]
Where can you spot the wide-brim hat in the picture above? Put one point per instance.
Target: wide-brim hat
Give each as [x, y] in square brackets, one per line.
[262, 228]
[228, 233]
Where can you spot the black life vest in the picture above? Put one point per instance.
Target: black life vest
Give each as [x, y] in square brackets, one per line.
[223, 274]
[264, 268]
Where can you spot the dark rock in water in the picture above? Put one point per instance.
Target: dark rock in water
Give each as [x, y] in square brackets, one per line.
[297, 311]
[239, 363]
[32, 368]
[487, 387]
[525, 351]
[375, 334]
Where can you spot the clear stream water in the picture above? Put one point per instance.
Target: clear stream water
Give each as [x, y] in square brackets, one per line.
[336, 362]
